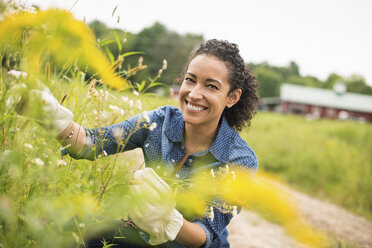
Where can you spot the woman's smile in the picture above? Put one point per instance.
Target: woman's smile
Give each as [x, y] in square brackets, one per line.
[193, 107]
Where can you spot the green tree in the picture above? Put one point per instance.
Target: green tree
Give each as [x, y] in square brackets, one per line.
[159, 43]
[269, 80]
[332, 79]
[357, 84]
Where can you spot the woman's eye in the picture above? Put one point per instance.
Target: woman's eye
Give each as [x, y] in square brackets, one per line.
[187, 79]
[212, 86]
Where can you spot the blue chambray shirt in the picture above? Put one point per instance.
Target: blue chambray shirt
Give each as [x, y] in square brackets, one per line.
[165, 145]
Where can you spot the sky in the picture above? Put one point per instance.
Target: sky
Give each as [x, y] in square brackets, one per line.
[321, 36]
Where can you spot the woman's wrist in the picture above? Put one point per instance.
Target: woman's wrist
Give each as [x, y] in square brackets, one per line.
[191, 235]
[73, 137]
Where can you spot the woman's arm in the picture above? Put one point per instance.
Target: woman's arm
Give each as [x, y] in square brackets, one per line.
[191, 234]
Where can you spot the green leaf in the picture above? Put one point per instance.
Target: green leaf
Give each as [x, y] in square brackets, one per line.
[117, 41]
[109, 54]
[76, 237]
[142, 86]
[157, 84]
[113, 12]
[129, 54]
[106, 42]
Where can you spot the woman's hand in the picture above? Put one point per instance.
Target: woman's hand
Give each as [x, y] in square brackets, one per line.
[153, 207]
[53, 114]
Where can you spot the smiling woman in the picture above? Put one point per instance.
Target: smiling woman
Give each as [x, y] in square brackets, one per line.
[218, 96]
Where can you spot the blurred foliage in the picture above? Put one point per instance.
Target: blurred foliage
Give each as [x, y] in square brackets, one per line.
[329, 159]
[41, 42]
[272, 77]
[157, 43]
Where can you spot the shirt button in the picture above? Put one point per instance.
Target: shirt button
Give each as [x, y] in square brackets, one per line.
[190, 160]
[147, 145]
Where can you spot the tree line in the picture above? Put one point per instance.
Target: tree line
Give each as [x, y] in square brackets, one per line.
[158, 43]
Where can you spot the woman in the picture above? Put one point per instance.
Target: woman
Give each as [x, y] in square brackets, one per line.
[217, 97]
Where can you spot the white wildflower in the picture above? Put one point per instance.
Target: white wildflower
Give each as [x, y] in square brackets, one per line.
[103, 115]
[139, 104]
[114, 107]
[16, 74]
[158, 167]
[212, 172]
[104, 153]
[118, 132]
[211, 213]
[135, 93]
[227, 168]
[234, 176]
[61, 162]
[125, 99]
[39, 161]
[140, 61]
[81, 225]
[101, 93]
[131, 103]
[235, 210]
[29, 146]
[177, 175]
[122, 112]
[152, 126]
[146, 117]
[165, 64]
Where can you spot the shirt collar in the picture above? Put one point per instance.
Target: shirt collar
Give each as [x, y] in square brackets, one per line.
[175, 130]
[221, 146]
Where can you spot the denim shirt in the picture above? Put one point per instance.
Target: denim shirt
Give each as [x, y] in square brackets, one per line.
[164, 145]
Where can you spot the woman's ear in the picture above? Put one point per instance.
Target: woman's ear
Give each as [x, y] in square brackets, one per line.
[234, 97]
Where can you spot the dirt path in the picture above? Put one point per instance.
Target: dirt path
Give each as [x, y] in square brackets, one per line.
[332, 219]
[248, 230]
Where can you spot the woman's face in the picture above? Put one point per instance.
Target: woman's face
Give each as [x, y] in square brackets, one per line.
[204, 91]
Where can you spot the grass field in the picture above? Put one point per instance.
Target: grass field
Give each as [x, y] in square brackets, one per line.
[328, 159]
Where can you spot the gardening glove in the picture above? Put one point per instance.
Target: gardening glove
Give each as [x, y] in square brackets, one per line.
[53, 113]
[153, 207]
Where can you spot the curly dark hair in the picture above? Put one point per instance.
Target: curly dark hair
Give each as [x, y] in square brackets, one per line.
[240, 77]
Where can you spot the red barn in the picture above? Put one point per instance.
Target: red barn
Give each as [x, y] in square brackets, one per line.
[321, 103]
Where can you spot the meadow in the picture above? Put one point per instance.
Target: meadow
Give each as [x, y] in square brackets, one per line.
[329, 159]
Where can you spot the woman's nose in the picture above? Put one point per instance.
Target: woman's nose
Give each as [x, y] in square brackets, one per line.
[195, 93]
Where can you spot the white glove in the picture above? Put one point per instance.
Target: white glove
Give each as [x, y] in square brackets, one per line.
[153, 207]
[59, 116]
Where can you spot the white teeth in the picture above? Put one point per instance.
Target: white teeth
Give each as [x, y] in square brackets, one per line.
[194, 108]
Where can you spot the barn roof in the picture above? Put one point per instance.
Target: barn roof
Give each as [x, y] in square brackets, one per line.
[326, 98]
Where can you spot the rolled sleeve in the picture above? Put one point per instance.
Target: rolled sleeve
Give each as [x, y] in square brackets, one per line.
[209, 235]
[215, 229]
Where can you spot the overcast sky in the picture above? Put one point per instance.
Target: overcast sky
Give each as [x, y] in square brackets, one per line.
[321, 36]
